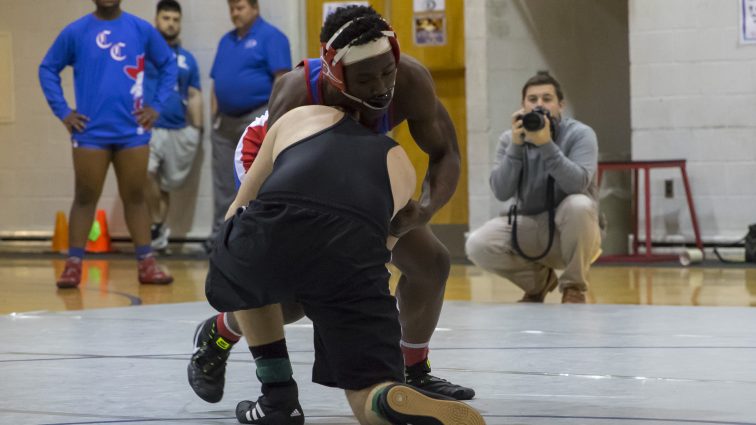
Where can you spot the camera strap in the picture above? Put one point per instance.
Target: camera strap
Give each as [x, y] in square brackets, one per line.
[512, 218]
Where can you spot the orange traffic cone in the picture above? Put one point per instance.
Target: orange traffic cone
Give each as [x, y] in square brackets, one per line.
[99, 238]
[60, 235]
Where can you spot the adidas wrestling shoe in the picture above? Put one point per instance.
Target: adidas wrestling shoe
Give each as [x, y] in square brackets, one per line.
[207, 367]
[419, 377]
[279, 405]
[262, 413]
[404, 405]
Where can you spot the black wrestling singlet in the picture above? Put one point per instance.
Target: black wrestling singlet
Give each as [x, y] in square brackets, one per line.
[342, 167]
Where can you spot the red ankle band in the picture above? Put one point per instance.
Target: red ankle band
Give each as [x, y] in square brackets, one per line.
[414, 353]
[224, 331]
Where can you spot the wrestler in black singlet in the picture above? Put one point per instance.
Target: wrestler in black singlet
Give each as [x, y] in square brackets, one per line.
[316, 235]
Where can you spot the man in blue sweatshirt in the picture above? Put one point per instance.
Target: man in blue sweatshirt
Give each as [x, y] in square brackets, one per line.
[111, 122]
[550, 174]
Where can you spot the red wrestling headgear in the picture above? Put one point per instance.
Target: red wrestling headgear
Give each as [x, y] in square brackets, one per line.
[333, 68]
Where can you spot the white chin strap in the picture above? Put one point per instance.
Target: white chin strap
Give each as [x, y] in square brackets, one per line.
[364, 103]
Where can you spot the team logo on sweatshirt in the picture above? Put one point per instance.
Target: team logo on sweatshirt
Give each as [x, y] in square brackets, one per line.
[116, 49]
[136, 73]
[102, 39]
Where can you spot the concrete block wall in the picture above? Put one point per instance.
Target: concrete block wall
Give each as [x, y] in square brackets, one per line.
[583, 43]
[36, 171]
[500, 56]
[693, 90]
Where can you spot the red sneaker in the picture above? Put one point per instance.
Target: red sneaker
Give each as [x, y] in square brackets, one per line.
[71, 276]
[151, 272]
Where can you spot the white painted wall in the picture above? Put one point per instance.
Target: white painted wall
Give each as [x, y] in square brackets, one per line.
[36, 172]
[693, 97]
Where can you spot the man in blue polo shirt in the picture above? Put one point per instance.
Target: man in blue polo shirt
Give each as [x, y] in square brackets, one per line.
[248, 61]
[174, 142]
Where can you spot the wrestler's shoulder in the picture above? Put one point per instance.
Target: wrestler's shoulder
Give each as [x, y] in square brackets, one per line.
[411, 70]
[293, 78]
[414, 86]
[306, 113]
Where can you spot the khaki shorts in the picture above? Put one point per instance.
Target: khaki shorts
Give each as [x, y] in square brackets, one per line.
[172, 155]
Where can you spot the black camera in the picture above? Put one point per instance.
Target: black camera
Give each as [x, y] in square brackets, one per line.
[534, 120]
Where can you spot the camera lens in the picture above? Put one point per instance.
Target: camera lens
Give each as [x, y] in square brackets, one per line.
[533, 121]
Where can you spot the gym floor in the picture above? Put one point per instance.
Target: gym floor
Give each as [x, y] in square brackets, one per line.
[655, 344]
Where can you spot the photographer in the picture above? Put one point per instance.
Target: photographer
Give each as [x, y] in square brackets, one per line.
[547, 163]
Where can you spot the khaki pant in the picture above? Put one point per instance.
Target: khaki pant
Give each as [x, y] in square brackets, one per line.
[577, 244]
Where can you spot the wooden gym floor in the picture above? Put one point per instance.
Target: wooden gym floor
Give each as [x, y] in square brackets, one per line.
[110, 281]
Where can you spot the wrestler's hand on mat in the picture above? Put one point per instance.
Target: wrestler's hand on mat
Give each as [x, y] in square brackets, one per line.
[75, 122]
[409, 217]
[146, 117]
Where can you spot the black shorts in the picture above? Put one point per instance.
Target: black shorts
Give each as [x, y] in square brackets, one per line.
[334, 264]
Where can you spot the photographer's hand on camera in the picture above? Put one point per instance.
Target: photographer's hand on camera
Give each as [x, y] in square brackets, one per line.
[518, 132]
[540, 137]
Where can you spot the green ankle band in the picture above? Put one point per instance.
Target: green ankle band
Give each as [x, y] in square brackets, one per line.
[274, 370]
[374, 402]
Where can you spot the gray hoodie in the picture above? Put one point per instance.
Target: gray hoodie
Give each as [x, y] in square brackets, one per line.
[572, 161]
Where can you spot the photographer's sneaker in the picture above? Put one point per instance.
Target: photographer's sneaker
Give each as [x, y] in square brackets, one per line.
[263, 412]
[404, 405]
[538, 297]
[419, 377]
[71, 276]
[573, 296]
[207, 367]
[159, 234]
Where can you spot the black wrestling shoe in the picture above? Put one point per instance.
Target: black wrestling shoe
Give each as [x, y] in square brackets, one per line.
[419, 377]
[277, 406]
[207, 367]
[404, 405]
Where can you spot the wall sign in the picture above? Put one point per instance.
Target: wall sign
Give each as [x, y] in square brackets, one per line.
[429, 22]
[748, 21]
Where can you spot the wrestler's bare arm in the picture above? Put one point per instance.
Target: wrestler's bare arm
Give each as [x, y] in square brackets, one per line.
[402, 177]
[433, 131]
[258, 172]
